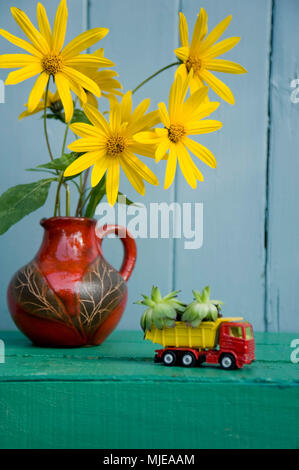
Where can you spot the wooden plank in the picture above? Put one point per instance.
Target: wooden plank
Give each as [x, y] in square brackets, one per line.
[283, 220]
[231, 259]
[111, 396]
[23, 146]
[146, 416]
[126, 356]
[141, 40]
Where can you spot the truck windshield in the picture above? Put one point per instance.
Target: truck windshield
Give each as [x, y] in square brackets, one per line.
[236, 331]
[248, 332]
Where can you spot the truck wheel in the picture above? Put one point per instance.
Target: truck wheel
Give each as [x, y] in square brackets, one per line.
[227, 361]
[188, 359]
[169, 358]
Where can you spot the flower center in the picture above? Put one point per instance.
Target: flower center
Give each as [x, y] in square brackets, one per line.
[193, 63]
[176, 132]
[52, 64]
[116, 144]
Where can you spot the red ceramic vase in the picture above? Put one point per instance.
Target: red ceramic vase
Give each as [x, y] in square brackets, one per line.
[69, 295]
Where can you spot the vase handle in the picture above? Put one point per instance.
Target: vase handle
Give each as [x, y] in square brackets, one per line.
[128, 241]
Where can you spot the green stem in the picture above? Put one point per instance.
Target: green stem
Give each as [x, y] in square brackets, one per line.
[45, 119]
[67, 200]
[57, 199]
[80, 202]
[154, 75]
[64, 139]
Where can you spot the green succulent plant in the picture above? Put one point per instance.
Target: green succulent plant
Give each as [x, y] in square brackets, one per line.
[202, 308]
[161, 311]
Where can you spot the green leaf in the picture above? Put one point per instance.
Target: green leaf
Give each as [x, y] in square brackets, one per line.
[56, 116]
[80, 116]
[21, 200]
[58, 163]
[127, 201]
[96, 195]
[41, 170]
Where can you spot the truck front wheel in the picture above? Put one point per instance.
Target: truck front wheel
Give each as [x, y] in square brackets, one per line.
[227, 361]
[188, 359]
[169, 358]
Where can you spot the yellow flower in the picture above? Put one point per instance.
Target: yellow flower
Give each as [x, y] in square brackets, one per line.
[183, 119]
[53, 103]
[48, 57]
[111, 145]
[200, 55]
[105, 79]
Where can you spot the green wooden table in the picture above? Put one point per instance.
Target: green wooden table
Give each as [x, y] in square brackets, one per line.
[114, 396]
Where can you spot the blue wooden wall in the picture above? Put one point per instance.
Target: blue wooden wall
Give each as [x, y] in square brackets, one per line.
[249, 254]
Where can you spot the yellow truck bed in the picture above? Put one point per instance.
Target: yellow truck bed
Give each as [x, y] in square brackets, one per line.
[201, 337]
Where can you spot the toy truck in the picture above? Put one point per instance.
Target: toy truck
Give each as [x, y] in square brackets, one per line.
[226, 341]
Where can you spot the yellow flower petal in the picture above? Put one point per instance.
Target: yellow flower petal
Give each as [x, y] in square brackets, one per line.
[175, 100]
[162, 149]
[140, 168]
[112, 181]
[88, 60]
[59, 28]
[171, 167]
[86, 144]
[98, 170]
[82, 80]
[164, 114]
[22, 74]
[31, 32]
[201, 152]
[39, 108]
[64, 91]
[133, 177]
[82, 163]
[203, 111]
[215, 34]
[186, 165]
[218, 86]
[189, 163]
[194, 101]
[78, 90]
[145, 150]
[37, 91]
[181, 70]
[161, 132]
[182, 53]
[146, 137]
[115, 115]
[91, 99]
[126, 106]
[145, 122]
[184, 35]
[140, 110]
[203, 127]
[221, 47]
[13, 61]
[84, 41]
[200, 30]
[220, 65]
[20, 43]
[84, 130]
[97, 119]
[43, 23]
